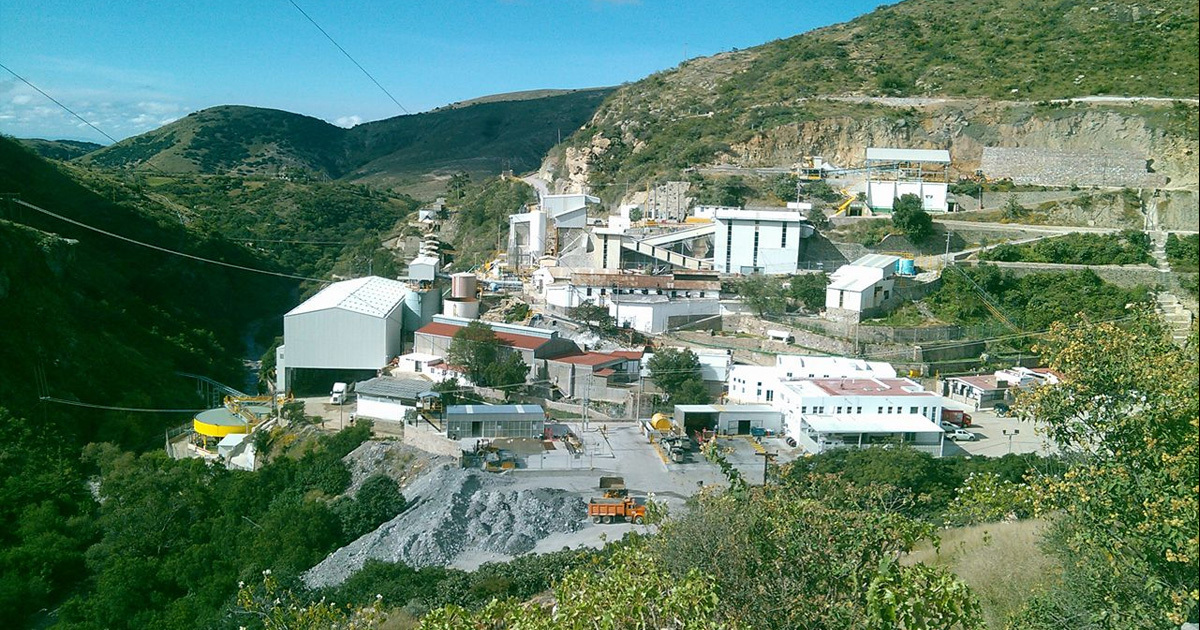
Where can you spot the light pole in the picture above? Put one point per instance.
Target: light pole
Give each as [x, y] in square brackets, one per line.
[1010, 433]
[767, 457]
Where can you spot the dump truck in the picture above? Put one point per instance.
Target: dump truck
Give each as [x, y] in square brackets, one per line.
[608, 510]
[613, 487]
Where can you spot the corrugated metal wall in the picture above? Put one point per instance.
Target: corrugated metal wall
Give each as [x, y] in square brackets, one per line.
[341, 339]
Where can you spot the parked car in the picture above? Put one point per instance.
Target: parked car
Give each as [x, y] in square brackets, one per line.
[1002, 409]
[959, 434]
[949, 427]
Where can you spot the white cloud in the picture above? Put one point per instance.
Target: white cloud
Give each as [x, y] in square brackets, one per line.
[22, 99]
[348, 121]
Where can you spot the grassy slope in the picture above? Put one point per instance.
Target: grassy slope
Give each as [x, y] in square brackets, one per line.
[1001, 562]
[60, 149]
[1044, 50]
[237, 140]
[111, 322]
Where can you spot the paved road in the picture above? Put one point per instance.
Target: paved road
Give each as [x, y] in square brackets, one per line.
[993, 433]
[538, 183]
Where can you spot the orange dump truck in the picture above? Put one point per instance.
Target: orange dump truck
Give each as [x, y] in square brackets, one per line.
[607, 510]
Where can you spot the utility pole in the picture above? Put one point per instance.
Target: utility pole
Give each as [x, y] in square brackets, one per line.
[1010, 433]
[767, 457]
[947, 261]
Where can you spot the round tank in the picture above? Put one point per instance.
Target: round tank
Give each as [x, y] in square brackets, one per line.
[660, 422]
[907, 267]
[420, 305]
[465, 308]
[462, 285]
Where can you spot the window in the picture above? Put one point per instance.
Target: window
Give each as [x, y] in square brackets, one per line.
[886, 294]
[757, 393]
[859, 410]
[804, 409]
[701, 294]
[589, 291]
[880, 410]
[754, 259]
[602, 291]
[770, 395]
[839, 409]
[889, 409]
[728, 248]
[912, 410]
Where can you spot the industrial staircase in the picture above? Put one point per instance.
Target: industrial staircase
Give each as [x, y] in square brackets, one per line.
[665, 255]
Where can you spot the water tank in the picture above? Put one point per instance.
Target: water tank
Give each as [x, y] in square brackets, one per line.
[458, 307]
[462, 285]
[907, 267]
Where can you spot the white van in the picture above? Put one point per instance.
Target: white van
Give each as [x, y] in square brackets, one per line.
[338, 395]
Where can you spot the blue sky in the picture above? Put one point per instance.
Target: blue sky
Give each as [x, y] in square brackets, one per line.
[130, 66]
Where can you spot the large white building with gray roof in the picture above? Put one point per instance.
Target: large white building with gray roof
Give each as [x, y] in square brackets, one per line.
[349, 325]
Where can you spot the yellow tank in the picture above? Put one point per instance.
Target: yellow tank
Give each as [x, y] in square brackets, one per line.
[660, 422]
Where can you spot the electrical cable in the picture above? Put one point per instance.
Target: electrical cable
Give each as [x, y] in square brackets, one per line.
[352, 60]
[76, 403]
[168, 251]
[56, 102]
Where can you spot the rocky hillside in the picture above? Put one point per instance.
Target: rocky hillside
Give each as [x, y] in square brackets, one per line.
[921, 73]
[481, 137]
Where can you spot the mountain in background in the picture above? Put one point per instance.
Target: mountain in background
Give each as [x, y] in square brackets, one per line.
[107, 322]
[486, 135]
[60, 149]
[920, 73]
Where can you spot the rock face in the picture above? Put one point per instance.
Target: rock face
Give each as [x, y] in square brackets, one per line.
[457, 512]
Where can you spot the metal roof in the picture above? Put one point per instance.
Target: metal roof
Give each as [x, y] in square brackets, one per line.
[876, 261]
[466, 410]
[752, 408]
[525, 342]
[872, 423]
[852, 283]
[782, 214]
[387, 387]
[372, 295]
[877, 154]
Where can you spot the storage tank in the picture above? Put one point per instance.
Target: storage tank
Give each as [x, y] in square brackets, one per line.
[907, 267]
[420, 305]
[463, 285]
[465, 308]
[660, 422]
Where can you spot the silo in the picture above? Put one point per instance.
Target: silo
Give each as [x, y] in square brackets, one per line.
[420, 305]
[463, 285]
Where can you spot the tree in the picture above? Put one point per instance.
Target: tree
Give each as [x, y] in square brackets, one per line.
[474, 348]
[670, 368]
[807, 290]
[449, 389]
[1124, 516]
[1013, 210]
[593, 316]
[635, 214]
[509, 370]
[909, 215]
[818, 219]
[691, 392]
[378, 500]
[459, 183]
[765, 294]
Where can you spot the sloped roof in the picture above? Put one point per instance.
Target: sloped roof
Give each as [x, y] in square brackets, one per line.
[511, 340]
[876, 261]
[372, 296]
[589, 358]
[387, 387]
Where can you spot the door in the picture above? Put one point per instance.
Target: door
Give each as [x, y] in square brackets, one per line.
[476, 429]
[743, 427]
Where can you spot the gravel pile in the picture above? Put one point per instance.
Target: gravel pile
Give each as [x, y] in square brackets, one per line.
[458, 512]
[393, 458]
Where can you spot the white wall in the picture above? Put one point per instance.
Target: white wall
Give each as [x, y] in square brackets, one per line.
[653, 317]
[380, 408]
[883, 194]
[794, 405]
[339, 339]
[774, 255]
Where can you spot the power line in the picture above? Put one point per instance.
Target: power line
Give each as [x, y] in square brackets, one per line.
[168, 251]
[56, 102]
[352, 60]
[76, 403]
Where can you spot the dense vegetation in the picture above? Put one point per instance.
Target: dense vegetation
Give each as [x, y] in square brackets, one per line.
[480, 219]
[60, 149]
[1183, 252]
[1033, 302]
[485, 137]
[1129, 247]
[310, 228]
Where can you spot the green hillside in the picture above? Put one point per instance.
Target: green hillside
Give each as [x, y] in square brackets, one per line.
[1006, 51]
[60, 149]
[109, 322]
[484, 137]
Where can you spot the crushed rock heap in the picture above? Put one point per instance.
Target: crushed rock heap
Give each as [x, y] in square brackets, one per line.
[457, 511]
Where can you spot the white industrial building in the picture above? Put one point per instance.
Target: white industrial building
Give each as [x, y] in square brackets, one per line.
[387, 398]
[758, 240]
[821, 433]
[555, 226]
[350, 325]
[894, 173]
[648, 303]
[863, 288]
[729, 419]
[761, 384]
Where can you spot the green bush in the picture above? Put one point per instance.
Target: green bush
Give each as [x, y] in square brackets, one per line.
[1129, 247]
